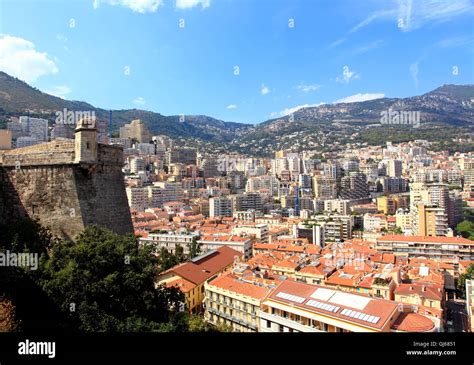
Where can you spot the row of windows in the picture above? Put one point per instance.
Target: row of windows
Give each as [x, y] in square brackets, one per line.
[222, 299]
[301, 320]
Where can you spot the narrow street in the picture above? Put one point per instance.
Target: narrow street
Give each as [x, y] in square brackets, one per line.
[456, 314]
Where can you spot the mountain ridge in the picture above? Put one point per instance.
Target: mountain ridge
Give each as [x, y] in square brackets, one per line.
[450, 104]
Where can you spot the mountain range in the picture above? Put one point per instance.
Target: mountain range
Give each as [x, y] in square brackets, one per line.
[449, 106]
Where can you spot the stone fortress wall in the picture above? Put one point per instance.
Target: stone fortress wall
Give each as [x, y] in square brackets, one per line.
[49, 182]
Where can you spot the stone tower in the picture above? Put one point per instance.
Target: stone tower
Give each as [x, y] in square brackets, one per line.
[66, 185]
[86, 141]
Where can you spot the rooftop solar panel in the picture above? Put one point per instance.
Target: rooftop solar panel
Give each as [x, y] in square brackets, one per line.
[290, 297]
[360, 316]
[324, 306]
[375, 320]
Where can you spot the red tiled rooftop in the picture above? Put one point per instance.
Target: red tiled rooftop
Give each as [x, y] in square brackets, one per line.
[431, 239]
[199, 271]
[384, 309]
[182, 284]
[429, 291]
[412, 322]
[248, 288]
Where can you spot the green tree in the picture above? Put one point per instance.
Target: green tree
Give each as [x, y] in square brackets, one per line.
[466, 229]
[18, 285]
[166, 260]
[398, 230]
[105, 282]
[194, 248]
[469, 274]
[222, 327]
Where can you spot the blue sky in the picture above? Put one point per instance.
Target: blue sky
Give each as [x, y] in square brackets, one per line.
[236, 60]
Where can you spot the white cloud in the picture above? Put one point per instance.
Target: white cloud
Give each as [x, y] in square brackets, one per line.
[410, 15]
[360, 97]
[288, 111]
[231, 106]
[60, 91]
[414, 73]
[416, 14]
[187, 4]
[150, 6]
[455, 42]
[347, 75]
[382, 14]
[367, 47]
[264, 90]
[139, 101]
[19, 58]
[308, 88]
[337, 42]
[139, 6]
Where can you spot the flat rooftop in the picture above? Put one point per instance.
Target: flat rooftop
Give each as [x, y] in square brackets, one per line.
[352, 308]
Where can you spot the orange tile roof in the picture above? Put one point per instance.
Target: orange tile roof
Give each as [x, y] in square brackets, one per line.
[382, 308]
[182, 284]
[430, 239]
[412, 322]
[344, 277]
[429, 291]
[288, 264]
[316, 270]
[248, 288]
[199, 271]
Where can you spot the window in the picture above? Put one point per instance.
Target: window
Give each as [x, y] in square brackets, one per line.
[87, 145]
[269, 324]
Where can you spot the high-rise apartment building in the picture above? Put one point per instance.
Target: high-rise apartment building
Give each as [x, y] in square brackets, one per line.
[324, 187]
[220, 207]
[354, 186]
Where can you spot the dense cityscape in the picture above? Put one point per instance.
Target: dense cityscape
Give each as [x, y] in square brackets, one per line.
[377, 238]
[192, 177]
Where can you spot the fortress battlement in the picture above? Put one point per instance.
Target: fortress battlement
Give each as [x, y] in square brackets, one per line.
[66, 184]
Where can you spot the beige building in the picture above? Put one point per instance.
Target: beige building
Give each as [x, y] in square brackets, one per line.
[421, 294]
[5, 139]
[192, 276]
[258, 231]
[324, 187]
[403, 220]
[470, 303]
[299, 307]
[137, 130]
[235, 298]
[429, 220]
[439, 248]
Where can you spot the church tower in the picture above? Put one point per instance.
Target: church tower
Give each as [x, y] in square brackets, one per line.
[86, 141]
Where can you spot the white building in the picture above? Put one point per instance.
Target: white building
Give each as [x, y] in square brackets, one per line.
[220, 207]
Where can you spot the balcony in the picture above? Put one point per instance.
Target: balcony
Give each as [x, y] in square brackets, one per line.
[287, 322]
